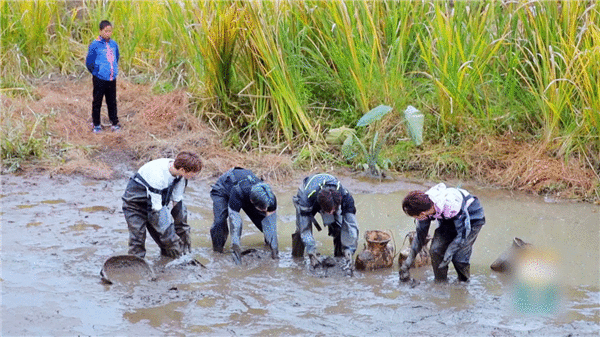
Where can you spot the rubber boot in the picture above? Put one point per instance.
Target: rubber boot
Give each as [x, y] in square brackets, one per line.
[297, 245]
[463, 270]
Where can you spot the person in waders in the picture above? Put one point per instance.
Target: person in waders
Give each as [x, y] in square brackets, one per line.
[146, 205]
[460, 218]
[323, 193]
[239, 189]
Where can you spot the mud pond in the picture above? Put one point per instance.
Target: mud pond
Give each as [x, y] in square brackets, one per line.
[58, 231]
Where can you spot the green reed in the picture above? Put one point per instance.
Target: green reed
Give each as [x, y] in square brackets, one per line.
[458, 54]
[559, 66]
[276, 72]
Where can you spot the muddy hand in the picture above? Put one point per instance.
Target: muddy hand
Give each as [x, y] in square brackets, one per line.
[274, 254]
[348, 266]
[186, 243]
[314, 260]
[404, 274]
[172, 253]
[237, 255]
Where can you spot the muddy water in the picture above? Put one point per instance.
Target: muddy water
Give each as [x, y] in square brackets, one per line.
[57, 232]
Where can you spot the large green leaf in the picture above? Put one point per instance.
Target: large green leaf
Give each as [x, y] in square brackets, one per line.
[339, 135]
[374, 115]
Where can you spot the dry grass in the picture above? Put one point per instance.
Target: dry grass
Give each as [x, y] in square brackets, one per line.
[523, 166]
[154, 126]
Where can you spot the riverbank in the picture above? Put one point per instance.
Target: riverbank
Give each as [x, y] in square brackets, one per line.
[49, 128]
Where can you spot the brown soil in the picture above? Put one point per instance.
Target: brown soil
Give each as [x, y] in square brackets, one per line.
[153, 126]
[161, 125]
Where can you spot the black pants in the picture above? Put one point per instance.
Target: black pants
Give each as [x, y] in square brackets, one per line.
[442, 238]
[219, 229]
[103, 89]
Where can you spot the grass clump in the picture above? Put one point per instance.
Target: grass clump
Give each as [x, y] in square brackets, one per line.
[23, 139]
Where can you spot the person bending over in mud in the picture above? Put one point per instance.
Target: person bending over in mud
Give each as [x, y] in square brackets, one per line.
[239, 189]
[323, 193]
[460, 217]
[146, 205]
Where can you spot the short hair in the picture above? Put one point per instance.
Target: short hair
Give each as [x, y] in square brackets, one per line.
[416, 202]
[104, 24]
[262, 197]
[329, 199]
[188, 161]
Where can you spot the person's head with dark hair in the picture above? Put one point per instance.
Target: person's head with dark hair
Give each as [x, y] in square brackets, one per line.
[329, 199]
[186, 164]
[188, 161]
[104, 24]
[418, 205]
[106, 29]
[263, 198]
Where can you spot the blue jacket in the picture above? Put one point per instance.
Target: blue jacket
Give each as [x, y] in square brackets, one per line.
[103, 59]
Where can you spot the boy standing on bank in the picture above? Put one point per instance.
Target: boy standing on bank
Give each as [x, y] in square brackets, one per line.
[102, 61]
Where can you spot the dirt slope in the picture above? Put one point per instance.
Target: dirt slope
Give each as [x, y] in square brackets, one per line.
[153, 126]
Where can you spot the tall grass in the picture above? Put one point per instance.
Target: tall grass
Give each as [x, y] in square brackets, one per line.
[276, 72]
[38, 37]
[458, 55]
[267, 29]
[560, 69]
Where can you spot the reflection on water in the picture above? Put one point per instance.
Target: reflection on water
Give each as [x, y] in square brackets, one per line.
[34, 224]
[82, 226]
[157, 316]
[53, 202]
[26, 206]
[96, 209]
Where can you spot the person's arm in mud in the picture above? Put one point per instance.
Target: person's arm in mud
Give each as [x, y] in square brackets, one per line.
[160, 219]
[179, 213]
[305, 213]
[182, 228]
[418, 243]
[305, 229]
[269, 229]
[235, 229]
[349, 235]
